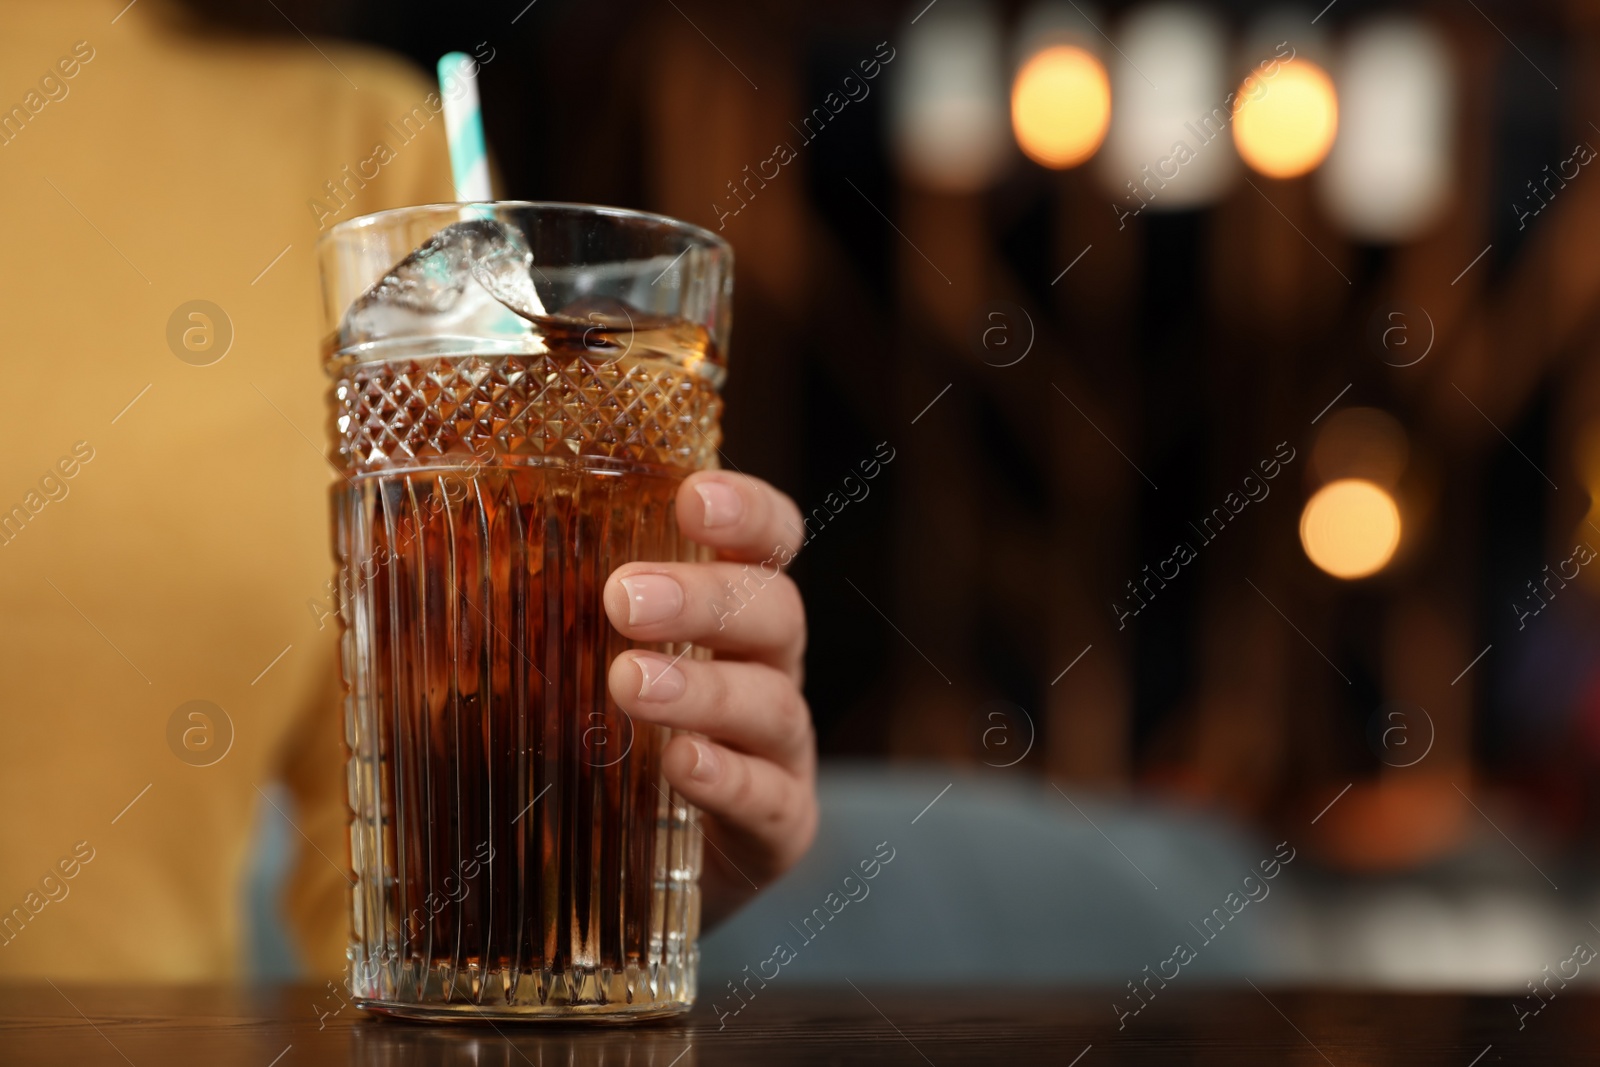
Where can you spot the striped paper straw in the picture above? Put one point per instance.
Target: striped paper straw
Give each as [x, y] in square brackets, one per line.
[463, 125]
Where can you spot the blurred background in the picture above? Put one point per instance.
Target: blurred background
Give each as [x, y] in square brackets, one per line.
[1236, 366]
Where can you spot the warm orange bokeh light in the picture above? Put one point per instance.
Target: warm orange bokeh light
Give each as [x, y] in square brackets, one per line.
[1350, 528]
[1284, 125]
[1061, 106]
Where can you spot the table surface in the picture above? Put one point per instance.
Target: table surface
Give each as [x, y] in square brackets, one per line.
[41, 1023]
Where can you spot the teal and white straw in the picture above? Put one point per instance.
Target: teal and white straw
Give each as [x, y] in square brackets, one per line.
[463, 124]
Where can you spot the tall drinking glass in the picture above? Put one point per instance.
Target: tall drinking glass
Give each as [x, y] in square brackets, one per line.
[518, 391]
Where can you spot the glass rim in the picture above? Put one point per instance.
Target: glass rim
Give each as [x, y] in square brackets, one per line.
[706, 237]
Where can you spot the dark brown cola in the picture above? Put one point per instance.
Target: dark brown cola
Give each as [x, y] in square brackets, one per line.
[513, 840]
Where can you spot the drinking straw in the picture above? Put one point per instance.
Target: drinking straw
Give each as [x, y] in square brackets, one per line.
[463, 127]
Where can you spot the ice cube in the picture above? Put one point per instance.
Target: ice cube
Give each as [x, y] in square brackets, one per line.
[464, 282]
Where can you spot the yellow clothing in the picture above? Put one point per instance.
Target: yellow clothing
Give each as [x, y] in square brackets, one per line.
[164, 526]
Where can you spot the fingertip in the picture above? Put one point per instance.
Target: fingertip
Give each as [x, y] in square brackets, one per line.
[615, 599]
[695, 767]
[707, 767]
[644, 681]
[712, 500]
[721, 504]
[744, 517]
[623, 679]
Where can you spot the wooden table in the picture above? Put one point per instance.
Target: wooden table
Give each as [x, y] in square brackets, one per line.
[80, 1026]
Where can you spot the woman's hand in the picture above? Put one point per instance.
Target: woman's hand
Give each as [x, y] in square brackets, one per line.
[752, 772]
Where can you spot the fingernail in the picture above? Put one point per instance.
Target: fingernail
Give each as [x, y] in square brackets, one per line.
[724, 505]
[707, 764]
[659, 680]
[652, 598]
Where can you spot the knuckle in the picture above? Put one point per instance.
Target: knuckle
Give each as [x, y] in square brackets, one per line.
[806, 826]
[795, 610]
[790, 823]
[730, 588]
[790, 522]
[795, 720]
[718, 694]
[758, 493]
[793, 604]
[742, 786]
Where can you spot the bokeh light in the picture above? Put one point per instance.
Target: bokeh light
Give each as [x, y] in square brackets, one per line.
[1141, 163]
[1061, 106]
[1350, 528]
[947, 108]
[1284, 122]
[1388, 177]
[1586, 460]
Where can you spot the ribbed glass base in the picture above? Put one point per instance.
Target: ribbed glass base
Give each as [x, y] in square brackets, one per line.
[634, 994]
